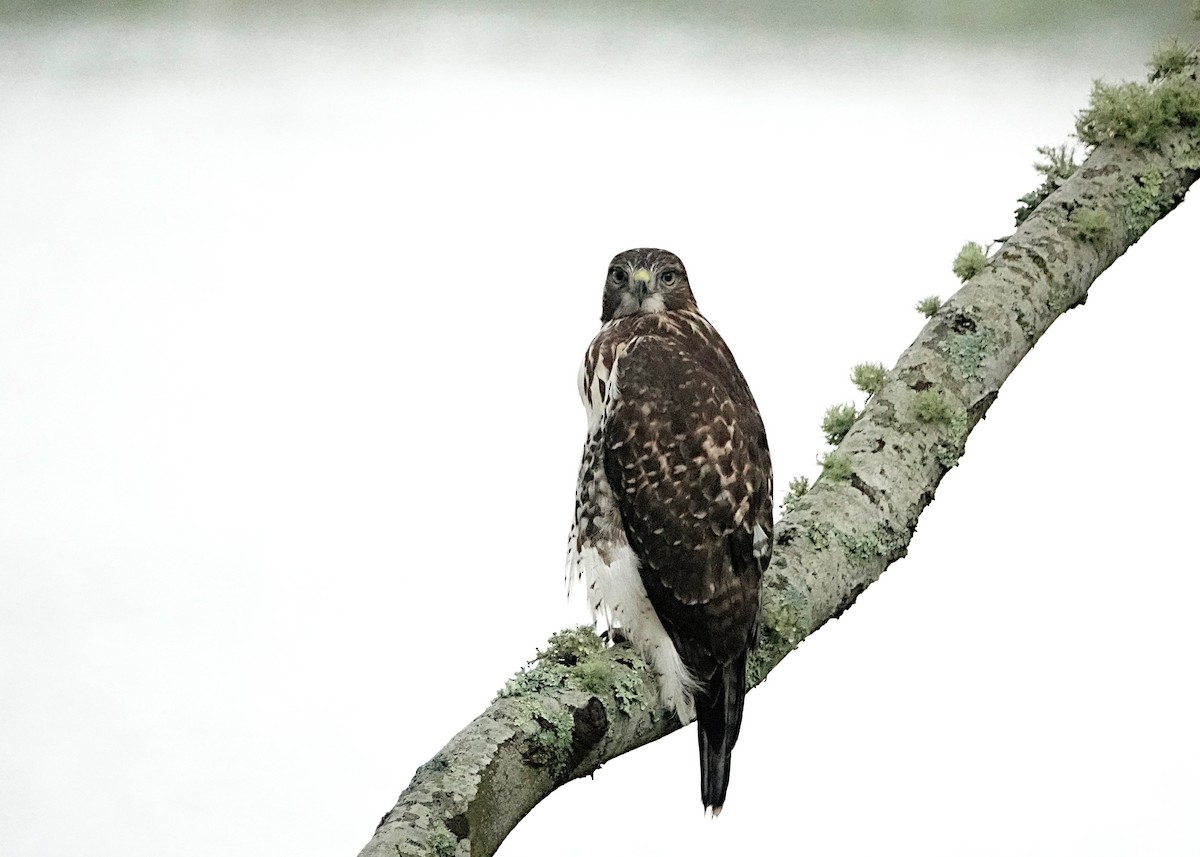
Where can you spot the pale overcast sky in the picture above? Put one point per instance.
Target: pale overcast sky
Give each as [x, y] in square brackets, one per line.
[290, 320]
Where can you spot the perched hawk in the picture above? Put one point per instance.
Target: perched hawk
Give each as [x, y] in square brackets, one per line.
[673, 523]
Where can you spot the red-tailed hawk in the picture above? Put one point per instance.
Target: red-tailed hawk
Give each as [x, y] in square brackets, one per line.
[673, 525]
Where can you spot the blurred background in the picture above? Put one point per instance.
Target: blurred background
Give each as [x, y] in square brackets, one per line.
[292, 300]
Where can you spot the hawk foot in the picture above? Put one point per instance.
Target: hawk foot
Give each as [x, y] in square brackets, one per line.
[613, 637]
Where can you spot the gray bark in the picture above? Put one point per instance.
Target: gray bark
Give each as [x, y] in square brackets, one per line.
[577, 710]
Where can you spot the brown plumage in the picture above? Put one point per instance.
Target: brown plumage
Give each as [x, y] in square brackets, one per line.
[673, 524]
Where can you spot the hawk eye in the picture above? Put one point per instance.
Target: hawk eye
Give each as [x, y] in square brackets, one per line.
[618, 275]
[666, 277]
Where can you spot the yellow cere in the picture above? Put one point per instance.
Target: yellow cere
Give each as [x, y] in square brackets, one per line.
[641, 275]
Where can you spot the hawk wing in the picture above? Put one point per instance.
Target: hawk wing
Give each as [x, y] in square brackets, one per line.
[686, 455]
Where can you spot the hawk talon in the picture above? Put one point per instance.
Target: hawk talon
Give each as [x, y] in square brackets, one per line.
[613, 637]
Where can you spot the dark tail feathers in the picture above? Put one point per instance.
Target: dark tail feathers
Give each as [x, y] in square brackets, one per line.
[719, 716]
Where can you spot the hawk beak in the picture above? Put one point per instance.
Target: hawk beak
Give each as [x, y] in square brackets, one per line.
[641, 277]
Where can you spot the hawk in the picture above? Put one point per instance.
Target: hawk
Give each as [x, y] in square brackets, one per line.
[673, 526]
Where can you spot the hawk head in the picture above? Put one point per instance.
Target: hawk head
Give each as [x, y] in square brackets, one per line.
[645, 280]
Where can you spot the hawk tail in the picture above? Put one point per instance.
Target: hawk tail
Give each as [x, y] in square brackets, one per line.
[719, 716]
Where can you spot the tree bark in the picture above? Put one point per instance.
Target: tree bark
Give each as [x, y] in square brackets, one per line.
[584, 704]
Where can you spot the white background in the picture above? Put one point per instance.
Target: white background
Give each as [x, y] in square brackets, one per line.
[290, 319]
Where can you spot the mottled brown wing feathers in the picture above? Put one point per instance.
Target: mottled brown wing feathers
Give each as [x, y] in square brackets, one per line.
[686, 455]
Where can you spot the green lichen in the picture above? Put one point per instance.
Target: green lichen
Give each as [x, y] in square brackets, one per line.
[553, 665]
[817, 534]
[1090, 224]
[862, 546]
[629, 686]
[958, 425]
[758, 665]
[949, 449]
[835, 466]
[967, 351]
[576, 659]
[533, 681]
[1141, 113]
[784, 610]
[969, 261]
[869, 377]
[878, 542]
[571, 646]
[947, 453]
[1145, 201]
[933, 408]
[838, 420]
[624, 680]
[595, 675]
[550, 745]
[929, 306]
[1058, 166]
[797, 488]
[441, 841]
[930, 406]
[1172, 58]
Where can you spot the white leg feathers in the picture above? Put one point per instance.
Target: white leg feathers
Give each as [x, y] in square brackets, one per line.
[618, 599]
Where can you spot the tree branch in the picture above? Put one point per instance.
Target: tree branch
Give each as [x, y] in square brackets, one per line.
[582, 704]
